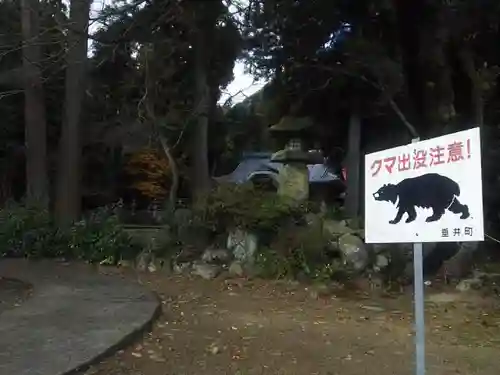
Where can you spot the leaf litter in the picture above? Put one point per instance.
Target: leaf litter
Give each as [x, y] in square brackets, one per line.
[265, 329]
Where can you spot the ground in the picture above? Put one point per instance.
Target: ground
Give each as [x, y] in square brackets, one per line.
[12, 293]
[258, 327]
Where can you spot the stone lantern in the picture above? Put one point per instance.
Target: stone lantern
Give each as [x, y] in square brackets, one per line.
[293, 134]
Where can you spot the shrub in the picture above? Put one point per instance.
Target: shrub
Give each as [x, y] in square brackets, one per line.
[242, 206]
[100, 238]
[289, 247]
[26, 231]
[299, 251]
[31, 232]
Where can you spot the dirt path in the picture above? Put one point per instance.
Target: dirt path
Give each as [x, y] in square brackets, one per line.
[241, 327]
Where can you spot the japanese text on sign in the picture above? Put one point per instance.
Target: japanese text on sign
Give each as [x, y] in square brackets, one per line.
[457, 232]
[423, 158]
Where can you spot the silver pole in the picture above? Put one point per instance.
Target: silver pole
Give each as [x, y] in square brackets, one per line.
[418, 282]
[418, 272]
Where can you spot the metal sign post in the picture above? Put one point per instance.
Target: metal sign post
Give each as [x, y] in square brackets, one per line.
[418, 282]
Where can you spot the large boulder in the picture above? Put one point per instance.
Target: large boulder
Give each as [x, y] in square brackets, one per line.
[243, 246]
[205, 270]
[391, 260]
[213, 255]
[354, 251]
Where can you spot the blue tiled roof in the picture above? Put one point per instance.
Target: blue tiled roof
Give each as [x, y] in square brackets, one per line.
[261, 162]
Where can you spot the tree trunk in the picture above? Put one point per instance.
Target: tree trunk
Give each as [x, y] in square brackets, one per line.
[68, 200]
[353, 166]
[37, 183]
[201, 176]
[175, 172]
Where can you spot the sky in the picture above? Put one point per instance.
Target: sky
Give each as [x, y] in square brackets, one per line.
[240, 88]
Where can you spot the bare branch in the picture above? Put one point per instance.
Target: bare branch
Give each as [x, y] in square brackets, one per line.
[376, 85]
[5, 94]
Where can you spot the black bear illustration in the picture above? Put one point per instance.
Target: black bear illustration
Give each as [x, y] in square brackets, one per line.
[427, 191]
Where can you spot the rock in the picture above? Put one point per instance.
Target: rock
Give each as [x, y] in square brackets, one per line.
[215, 256]
[214, 348]
[206, 271]
[336, 228]
[354, 251]
[152, 267]
[143, 260]
[321, 291]
[468, 284]
[460, 264]
[125, 263]
[381, 261]
[398, 255]
[180, 268]
[243, 246]
[236, 269]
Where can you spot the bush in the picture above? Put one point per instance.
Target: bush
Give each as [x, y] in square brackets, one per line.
[100, 238]
[28, 231]
[299, 251]
[289, 247]
[31, 232]
[242, 206]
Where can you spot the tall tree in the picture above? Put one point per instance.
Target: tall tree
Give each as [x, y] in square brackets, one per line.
[68, 199]
[204, 27]
[37, 184]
